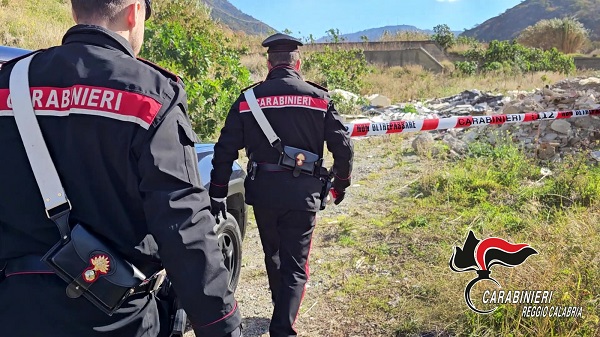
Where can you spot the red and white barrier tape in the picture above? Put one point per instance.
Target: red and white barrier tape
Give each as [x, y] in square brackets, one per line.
[375, 129]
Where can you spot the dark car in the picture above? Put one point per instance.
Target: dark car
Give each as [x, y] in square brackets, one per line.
[8, 53]
[231, 230]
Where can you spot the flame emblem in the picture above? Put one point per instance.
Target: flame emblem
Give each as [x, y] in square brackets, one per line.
[480, 255]
[100, 265]
[300, 158]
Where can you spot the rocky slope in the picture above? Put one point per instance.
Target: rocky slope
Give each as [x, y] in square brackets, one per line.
[228, 14]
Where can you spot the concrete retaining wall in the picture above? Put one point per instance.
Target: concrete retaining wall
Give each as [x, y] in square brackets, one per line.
[392, 58]
[587, 63]
[430, 46]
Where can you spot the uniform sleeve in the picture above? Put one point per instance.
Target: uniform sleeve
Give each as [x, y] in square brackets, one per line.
[226, 151]
[177, 213]
[340, 145]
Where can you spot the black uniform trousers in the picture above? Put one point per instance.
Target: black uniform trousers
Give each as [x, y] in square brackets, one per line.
[286, 239]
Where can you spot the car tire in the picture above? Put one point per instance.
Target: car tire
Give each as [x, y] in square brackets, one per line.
[230, 243]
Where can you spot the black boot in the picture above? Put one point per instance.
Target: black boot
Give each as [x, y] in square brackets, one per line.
[235, 333]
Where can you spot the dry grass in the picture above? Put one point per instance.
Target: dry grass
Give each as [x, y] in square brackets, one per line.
[404, 36]
[460, 48]
[257, 64]
[34, 24]
[414, 83]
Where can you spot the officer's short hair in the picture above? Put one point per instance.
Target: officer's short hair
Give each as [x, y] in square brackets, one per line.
[283, 58]
[87, 10]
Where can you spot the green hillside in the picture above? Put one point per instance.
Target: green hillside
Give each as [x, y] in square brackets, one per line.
[34, 24]
[509, 24]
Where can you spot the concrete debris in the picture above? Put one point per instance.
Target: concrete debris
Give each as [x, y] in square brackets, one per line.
[379, 100]
[547, 140]
[561, 126]
[423, 143]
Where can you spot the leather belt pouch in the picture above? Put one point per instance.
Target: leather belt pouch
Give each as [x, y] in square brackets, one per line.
[300, 161]
[93, 270]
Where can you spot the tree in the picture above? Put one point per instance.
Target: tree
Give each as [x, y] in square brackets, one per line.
[567, 35]
[337, 68]
[182, 38]
[443, 36]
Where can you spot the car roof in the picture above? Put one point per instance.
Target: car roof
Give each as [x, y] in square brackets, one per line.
[9, 53]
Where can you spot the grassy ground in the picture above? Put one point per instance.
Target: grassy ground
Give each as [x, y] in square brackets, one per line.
[382, 259]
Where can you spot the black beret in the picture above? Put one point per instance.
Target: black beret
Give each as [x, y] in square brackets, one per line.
[281, 43]
[148, 9]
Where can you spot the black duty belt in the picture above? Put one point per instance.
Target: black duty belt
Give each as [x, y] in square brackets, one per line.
[29, 264]
[272, 167]
[33, 264]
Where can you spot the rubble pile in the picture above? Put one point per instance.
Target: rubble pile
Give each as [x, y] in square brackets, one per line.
[548, 140]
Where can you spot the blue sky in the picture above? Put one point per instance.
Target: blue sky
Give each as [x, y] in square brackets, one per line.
[349, 16]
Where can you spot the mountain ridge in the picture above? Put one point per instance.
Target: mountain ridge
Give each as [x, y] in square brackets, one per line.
[375, 34]
[509, 24]
[232, 17]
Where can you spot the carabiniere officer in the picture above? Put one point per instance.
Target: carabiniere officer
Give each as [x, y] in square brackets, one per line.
[285, 199]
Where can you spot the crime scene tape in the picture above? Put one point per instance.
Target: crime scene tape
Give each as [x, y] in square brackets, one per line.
[384, 128]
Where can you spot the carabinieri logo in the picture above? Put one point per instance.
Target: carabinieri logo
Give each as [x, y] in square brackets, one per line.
[480, 256]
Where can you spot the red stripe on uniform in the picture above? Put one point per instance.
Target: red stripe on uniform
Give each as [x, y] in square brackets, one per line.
[288, 101]
[307, 271]
[107, 102]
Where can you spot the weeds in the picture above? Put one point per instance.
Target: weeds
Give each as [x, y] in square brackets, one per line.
[403, 281]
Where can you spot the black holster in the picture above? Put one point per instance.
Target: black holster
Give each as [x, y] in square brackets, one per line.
[326, 178]
[172, 316]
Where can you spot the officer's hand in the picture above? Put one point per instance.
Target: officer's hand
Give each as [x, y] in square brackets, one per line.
[337, 196]
[218, 205]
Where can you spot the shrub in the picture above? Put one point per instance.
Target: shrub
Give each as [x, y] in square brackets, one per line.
[183, 39]
[338, 68]
[351, 106]
[512, 56]
[567, 35]
[466, 68]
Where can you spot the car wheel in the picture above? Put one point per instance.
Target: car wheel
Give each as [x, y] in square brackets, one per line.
[230, 242]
